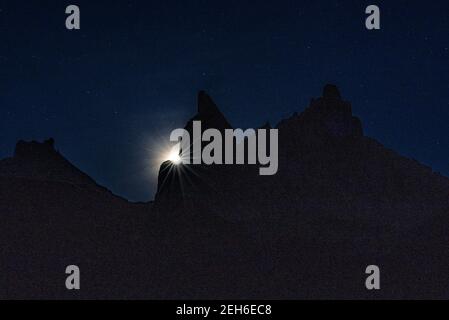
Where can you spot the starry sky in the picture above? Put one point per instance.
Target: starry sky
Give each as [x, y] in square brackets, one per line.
[111, 92]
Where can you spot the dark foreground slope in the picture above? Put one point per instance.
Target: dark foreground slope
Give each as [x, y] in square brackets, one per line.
[52, 216]
[339, 202]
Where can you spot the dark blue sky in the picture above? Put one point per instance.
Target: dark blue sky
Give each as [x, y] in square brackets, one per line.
[110, 92]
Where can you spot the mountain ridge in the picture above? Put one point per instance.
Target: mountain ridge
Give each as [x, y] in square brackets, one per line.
[339, 202]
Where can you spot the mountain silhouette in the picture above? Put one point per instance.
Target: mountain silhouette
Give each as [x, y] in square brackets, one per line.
[339, 202]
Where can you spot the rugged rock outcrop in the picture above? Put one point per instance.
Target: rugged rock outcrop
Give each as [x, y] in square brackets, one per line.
[339, 202]
[209, 114]
[41, 161]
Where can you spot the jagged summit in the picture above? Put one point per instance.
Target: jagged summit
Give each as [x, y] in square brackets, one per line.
[337, 203]
[206, 106]
[326, 117]
[323, 154]
[330, 91]
[209, 114]
[41, 161]
[35, 149]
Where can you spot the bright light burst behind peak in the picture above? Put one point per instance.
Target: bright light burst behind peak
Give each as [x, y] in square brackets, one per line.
[173, 155]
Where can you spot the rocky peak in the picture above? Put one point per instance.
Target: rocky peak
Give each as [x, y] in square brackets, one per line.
[206, 106]
[41, 161]
[209, 114]
[330, 91]
[326, 116]
[35, 149]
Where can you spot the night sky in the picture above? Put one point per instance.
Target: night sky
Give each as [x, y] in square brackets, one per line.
[111, 92]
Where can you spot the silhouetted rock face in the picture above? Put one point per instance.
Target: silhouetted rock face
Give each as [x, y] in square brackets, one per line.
[35, 149]
[326, 118]
[36, 160]
[339, 202]
[331, 92]
[326, 124]
[209, 114]
[170, 186]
